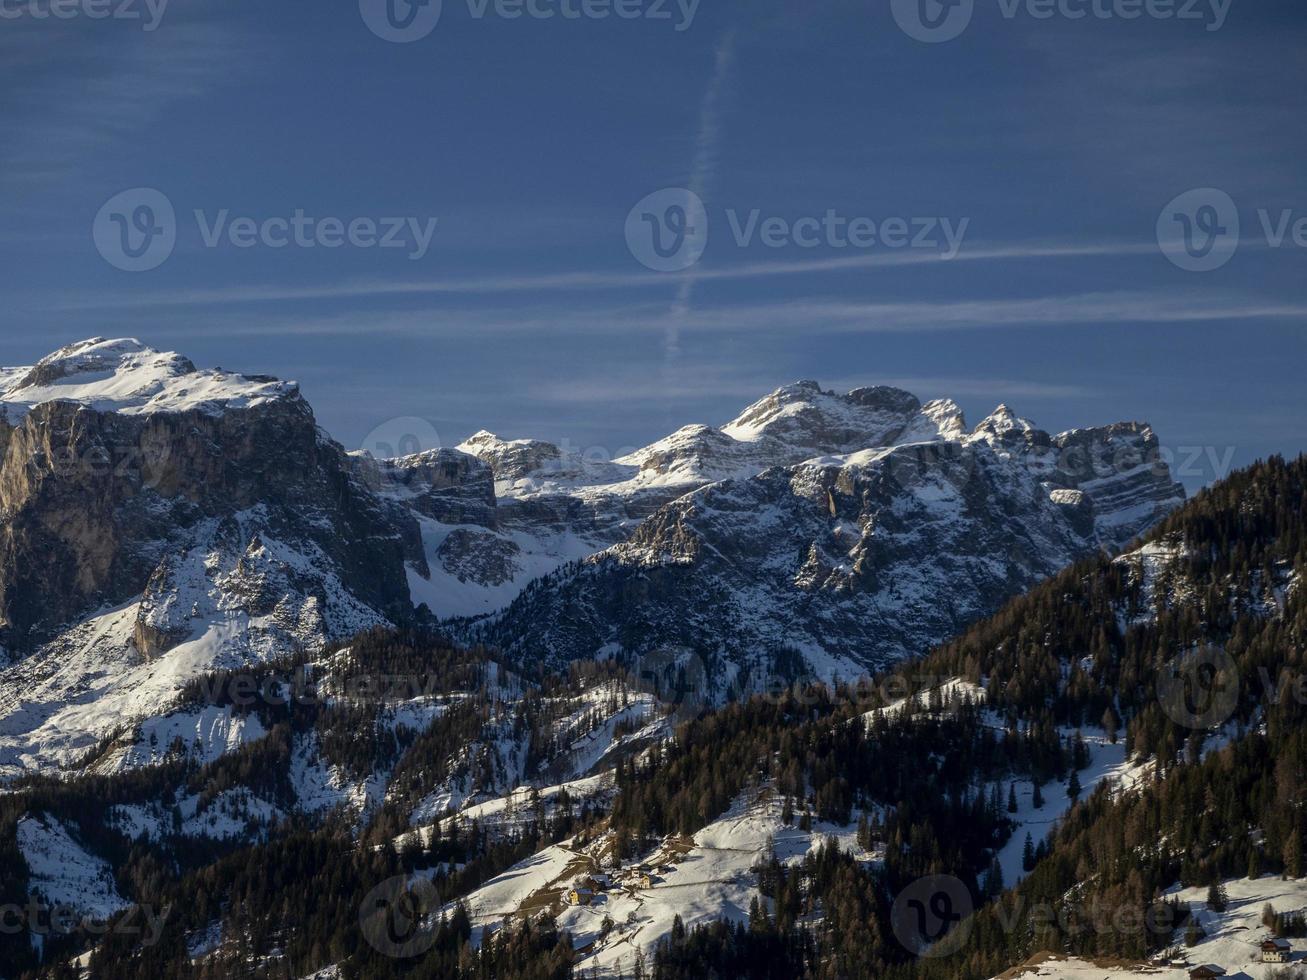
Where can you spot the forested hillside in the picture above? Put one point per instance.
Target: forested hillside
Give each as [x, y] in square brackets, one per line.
[1215, 602]
[1179, 658]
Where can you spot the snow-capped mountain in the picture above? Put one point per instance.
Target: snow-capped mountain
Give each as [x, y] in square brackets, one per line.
[158, 521]
[851, 530]
[161, 521]
[552, 507]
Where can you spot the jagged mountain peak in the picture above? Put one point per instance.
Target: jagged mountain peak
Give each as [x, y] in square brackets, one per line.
[946, 416]
[884, 397]
[160, 518]
[126, 376]
[483, 437]
[1002, 421]
[511, 459]
[805, 415]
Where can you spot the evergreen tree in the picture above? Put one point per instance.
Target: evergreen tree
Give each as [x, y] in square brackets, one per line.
[1111, 723]
[994, 879]
[1216, 897]
[1293, 855]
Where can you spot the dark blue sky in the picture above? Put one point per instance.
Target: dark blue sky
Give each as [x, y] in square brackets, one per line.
[1059, 141]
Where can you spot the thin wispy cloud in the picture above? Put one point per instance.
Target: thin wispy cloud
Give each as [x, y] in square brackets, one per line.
[952, 387]
[702, 174]
[809, 316]
[1158, 307]
[597, 281]
[1135, 100]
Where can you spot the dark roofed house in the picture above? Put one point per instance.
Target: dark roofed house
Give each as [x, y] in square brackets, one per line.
[1276, 951]
[1208, 971]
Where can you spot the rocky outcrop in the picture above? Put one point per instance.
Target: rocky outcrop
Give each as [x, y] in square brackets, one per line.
[513, 459]
[478, 556]
[104, 483]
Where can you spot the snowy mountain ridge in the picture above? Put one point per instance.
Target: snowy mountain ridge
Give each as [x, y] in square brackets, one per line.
[162, 520]
[849, 547]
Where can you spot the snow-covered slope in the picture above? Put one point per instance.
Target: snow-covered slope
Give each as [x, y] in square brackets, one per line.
[855, 529]
[62, 873]
[1233, 942]
[702, 878]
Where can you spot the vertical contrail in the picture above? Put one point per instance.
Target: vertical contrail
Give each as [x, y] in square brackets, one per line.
[702, 173]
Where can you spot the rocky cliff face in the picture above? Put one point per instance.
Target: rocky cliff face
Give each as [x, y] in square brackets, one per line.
[198, 510]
